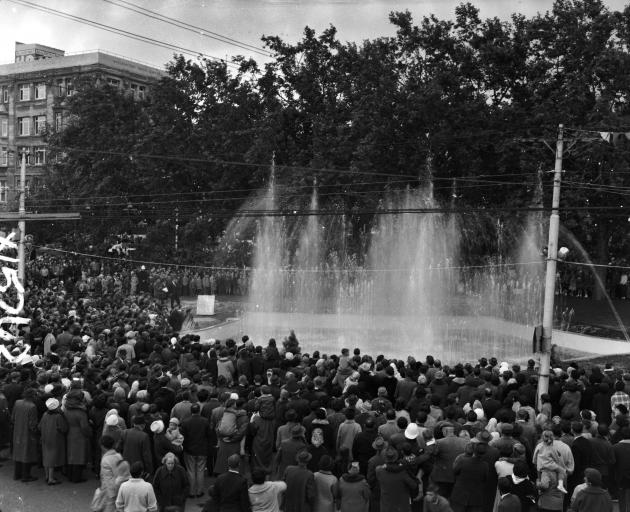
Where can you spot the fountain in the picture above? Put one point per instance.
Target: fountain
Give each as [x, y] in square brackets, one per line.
[407, 294]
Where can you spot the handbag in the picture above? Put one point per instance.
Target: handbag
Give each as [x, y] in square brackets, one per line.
[98, 500]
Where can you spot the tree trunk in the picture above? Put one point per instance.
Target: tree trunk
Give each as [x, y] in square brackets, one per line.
[599, 287]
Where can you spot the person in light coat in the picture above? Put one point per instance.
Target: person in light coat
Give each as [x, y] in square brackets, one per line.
[109, 470]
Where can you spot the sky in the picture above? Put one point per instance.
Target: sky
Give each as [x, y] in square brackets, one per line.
[245, 21]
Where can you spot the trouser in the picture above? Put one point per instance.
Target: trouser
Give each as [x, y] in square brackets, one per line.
[22, 470]
[195, 467]
[624, 499]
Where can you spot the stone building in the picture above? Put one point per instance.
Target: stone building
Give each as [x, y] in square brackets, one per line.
[33, 98]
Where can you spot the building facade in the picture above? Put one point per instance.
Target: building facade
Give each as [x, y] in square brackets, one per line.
[33, 98]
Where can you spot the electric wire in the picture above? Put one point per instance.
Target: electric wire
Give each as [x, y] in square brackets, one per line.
[187, 26]
[118, 31]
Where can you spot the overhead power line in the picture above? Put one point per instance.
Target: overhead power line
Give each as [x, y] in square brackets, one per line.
[115, 30]
[187, 26]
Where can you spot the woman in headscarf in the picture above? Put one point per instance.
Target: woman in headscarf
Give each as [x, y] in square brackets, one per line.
[317, 448]
[109, 468]
[53, 428]
[171, 484]
[114, 426]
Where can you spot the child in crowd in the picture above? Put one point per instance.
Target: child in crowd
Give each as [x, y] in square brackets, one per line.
[549, 463]
[173, 434]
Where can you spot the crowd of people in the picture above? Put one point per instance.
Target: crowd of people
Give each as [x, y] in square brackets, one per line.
[110, 387]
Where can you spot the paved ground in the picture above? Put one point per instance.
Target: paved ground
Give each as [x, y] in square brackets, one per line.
[39, 497]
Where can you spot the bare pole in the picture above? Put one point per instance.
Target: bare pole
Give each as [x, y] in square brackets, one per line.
[22, 223]
[550, 277]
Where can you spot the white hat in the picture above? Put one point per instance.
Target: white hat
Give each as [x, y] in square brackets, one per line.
[173, 340]
[85, 338]
[157, 427]
[233, 396]
[412, 431]
[112, 420]
[52, 404]
[185, 382]
[48, 388]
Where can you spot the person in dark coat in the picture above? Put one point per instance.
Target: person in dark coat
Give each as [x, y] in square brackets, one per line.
[508, 502]
[196, 432]
[53, 428]
[79, 434]
[397, 487]
[229, 492]
[523, 487]
[471, 474]
[170, 484]
[136, 445]
[301, 492]
[448, 448]
[25, 441]
[362, 450]
[582, 451]
[377, 460]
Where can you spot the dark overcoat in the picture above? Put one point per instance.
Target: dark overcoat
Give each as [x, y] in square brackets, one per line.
[79, 435]
[53, 428]
[25, 438]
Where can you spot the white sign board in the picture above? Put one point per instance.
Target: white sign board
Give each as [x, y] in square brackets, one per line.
[205, 305]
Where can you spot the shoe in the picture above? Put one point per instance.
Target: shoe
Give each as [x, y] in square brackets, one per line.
[29, 479]
[54, 482]
[561, 487]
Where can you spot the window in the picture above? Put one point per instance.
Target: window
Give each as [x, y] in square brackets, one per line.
[25, 92]
[58, 121]
[40, 155]
[39, 124]
[40, 91]
[141, 92]
[3, 191]
[61, 89]
[24, 126]
[5, 94]
[4, 157]
[114, 82]
[69, 88]
[4, 127]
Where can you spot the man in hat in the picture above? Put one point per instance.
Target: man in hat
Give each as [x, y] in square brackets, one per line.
[289, 449]
[300, 493]
[397, 487]
[505, 443]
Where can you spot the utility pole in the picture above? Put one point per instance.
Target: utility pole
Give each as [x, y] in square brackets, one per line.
[22, 223]
[176, 228]
[550, 277]
[22, 217]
